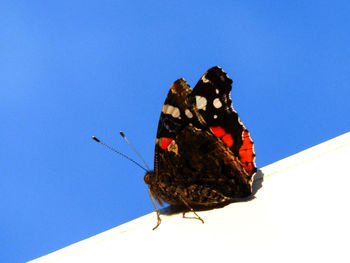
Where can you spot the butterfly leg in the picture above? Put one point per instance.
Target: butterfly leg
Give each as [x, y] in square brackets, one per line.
[155, 206]
[191, 209]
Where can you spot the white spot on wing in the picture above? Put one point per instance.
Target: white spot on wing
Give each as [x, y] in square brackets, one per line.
[173, 147]
[215, 116]
[188, 113]
[217, 103]
[201, 103]
[171, 110]
[176, 113]
[204, 79]
[217, 91]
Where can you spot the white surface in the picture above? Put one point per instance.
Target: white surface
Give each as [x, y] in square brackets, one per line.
[300, 214]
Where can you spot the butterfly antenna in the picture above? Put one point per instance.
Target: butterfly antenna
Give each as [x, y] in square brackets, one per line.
[132, 147]
[122, 154]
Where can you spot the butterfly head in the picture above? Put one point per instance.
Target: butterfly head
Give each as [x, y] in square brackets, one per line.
[148, 178]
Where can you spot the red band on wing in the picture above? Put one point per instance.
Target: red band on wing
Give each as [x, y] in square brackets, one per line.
[164, 142]
[227, 139]
[246, 153]
[218, 131]
[223, 135]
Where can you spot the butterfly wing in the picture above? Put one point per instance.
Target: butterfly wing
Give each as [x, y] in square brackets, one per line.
[213, 102]
[190, 162]
[177, 113]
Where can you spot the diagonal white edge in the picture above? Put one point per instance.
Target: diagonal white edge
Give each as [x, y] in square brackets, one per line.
[300, 213]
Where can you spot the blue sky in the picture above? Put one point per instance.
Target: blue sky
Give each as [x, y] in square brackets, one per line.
[73, 69]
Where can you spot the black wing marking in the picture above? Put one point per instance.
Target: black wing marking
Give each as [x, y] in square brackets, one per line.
[212, 98]
[213, 101]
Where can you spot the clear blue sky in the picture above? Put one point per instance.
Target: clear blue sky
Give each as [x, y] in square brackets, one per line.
[72, 69]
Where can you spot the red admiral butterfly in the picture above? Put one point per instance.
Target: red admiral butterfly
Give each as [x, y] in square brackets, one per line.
[204, 155]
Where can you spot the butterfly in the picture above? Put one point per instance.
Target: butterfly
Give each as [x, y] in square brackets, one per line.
[204, 155]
